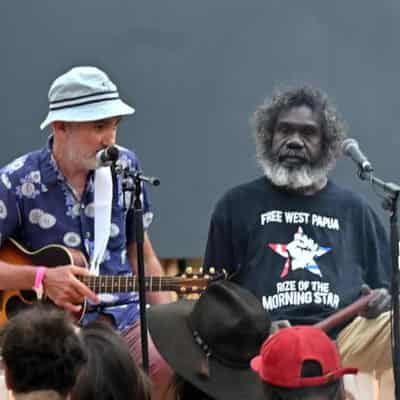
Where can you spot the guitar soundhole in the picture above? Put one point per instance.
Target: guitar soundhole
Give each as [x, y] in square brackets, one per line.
[14, 306]
[28, 295]
[16, 303]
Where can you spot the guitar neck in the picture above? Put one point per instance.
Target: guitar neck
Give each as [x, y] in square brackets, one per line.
[115, 284]
[344, 315]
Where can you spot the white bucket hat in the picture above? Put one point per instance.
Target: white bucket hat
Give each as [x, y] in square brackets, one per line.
[84, 94]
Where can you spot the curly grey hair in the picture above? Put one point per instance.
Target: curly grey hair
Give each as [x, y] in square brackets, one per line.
[265, 117]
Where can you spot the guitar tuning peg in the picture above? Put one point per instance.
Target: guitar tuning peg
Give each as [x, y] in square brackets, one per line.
[189, 270]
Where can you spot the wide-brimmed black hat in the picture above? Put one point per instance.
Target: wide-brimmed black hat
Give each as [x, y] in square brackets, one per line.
[210, 342]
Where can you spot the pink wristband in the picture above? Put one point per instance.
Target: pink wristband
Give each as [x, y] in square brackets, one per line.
[40, 271]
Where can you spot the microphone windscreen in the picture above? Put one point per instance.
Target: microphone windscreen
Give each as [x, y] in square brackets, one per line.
[113, 153]
[347, 144]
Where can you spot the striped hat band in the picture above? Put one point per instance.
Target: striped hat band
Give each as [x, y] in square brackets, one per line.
[81, 100]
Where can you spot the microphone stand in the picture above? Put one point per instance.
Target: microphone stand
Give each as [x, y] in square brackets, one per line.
[132, 182]
[390, 203]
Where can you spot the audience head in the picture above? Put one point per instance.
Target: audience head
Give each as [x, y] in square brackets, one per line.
[300, 363]
[41, 351]
[209, 342]
[110, 372]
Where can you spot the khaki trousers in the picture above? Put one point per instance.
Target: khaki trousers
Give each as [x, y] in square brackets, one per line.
[366, 344]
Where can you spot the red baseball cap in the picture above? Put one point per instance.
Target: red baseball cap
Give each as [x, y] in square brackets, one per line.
[283, 354]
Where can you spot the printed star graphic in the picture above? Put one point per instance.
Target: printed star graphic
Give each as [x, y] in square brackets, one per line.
[300, 253]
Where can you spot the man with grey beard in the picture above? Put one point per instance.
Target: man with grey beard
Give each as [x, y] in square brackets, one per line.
[303, 245]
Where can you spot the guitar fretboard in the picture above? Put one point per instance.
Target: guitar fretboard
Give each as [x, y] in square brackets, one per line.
[114, 284]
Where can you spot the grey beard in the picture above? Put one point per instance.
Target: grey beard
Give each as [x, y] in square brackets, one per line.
[296, 179]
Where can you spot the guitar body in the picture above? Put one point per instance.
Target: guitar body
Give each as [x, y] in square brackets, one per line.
[13, 300]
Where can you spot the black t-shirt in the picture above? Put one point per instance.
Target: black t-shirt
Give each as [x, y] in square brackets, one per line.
[304, 257]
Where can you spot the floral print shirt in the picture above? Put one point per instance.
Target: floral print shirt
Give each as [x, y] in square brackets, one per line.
[38, 207]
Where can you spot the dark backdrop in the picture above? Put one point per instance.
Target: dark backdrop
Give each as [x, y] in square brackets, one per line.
[195, 71]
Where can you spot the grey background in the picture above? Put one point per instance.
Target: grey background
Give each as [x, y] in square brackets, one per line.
[195, 71]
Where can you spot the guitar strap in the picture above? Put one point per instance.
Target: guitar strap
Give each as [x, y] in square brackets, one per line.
[103, 191]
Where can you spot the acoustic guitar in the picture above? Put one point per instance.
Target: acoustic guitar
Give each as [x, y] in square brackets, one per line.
[13, 300]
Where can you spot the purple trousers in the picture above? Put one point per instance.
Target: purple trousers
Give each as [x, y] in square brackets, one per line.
[160, 372]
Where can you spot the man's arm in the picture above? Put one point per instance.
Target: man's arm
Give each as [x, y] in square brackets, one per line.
[16, 277]
[378, 266]
[60, 284]
[152, 266]
[219, 252]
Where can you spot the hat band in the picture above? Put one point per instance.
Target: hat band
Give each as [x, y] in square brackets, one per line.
[83, 100]
[207, 351]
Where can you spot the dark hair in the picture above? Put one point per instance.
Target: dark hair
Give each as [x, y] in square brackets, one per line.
[331, 391]
[111, 373]
[266, 115]
[41, 350]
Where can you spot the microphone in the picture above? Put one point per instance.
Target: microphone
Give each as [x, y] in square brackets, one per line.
[152, 180]
[107, 156]
[138, 176]
[351, 149]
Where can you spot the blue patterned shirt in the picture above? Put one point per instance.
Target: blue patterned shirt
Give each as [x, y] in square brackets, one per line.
[38, 207]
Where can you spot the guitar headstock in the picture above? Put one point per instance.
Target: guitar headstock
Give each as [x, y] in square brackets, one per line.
[194, 282]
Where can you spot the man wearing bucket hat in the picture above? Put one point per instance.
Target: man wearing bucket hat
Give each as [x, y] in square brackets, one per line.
[47, 196]
[300, 363]
[209, 343]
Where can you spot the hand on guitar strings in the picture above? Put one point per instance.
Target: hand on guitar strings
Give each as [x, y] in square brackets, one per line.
[379, 303]
[63, 288]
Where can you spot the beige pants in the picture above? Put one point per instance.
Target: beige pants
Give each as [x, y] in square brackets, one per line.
[366, 344]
